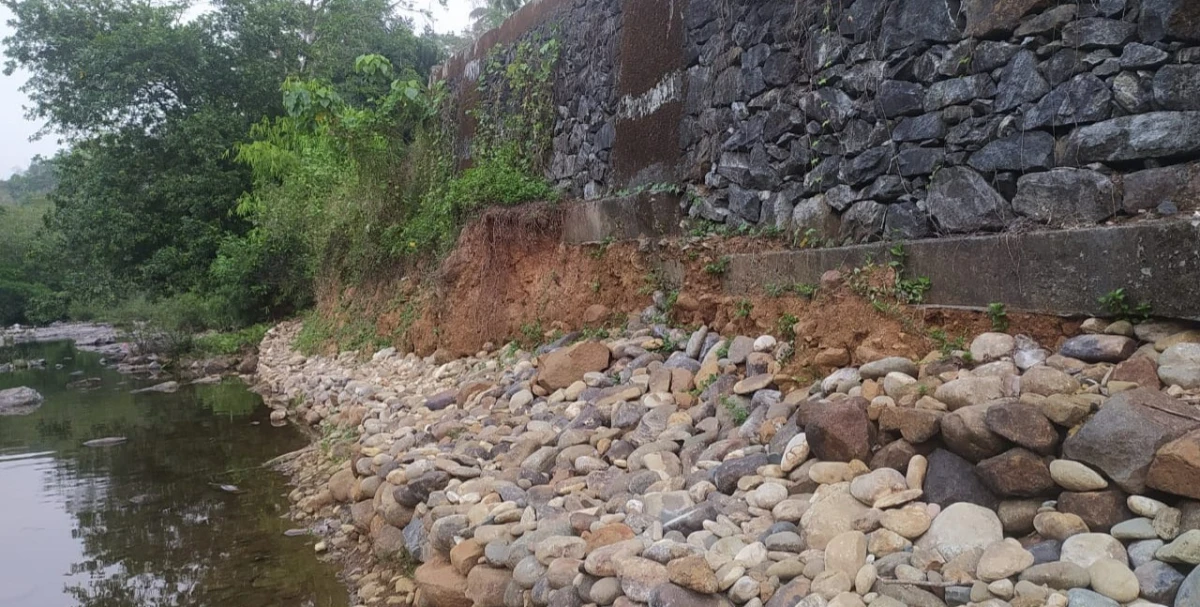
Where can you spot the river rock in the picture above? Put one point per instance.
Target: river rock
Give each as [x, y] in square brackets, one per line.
[1176, 467]
[951, 479]
[640, 576]
[19, 401]
[1060, 575]
[693, 573]
[968, 391]
[1024, 425]
[1122, 438]
[1099, 348]
[1184, 549]
[1114, 580]
[1003, 559]
[1074, 476]
[1158, 581]
[1016, 473]
[966, 433]
[1059, 525]
[1087, 548]
[1179, 365]
[962, 527]
[565, 366]
[893, 364]
[840, 432]
[1100, 510]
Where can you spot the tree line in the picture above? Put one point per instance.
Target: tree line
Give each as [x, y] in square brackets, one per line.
[223, 156]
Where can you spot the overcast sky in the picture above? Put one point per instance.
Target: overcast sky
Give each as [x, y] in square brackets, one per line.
[16, 149]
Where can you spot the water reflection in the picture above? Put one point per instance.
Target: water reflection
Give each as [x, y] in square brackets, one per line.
[142, 524]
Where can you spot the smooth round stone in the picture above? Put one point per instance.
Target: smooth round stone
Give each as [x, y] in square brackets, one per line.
[1080, 597]
[768, 495]
[1142, 552]
[1059, 525]
[1144, 506]
[1003, 559]
[785, 541]
[1087, 548]
[1114, 580]
[911, 521]
[1134, 529]
[1074, 476]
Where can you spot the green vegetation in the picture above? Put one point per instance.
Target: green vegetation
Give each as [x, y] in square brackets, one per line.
[785, 326]
[998, 315]
[233, 342]
[737, 411]
[1119, 305]
[221, 165]
[742, 308]
[718, 267]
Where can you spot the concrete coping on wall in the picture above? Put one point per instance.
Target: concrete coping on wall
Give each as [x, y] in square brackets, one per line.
[1061, 272]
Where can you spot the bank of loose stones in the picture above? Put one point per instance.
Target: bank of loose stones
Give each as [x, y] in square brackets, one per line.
[623, 473]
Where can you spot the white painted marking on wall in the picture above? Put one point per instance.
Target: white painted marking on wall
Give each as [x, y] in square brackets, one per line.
[669, 89]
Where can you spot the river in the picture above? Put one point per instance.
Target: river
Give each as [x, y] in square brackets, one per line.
[146, 523]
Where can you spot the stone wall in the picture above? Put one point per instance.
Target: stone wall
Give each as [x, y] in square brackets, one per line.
[868, 119]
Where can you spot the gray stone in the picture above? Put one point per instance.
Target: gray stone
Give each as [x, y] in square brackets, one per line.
[1152, 135]
[863, 222]
[1096, 32]
[1152, 187]
[899, 98]
[960, 200]
[1177, 87]
[1084, 98]
[914, 162]
[1081, 597]
[1020, 82]
[1018, 152]
[1099, 348]
[19, 401]
[1159, 582]
[1180, 365]
[957, 91]
[950, 479]
[865, 167]
[908, 22]
[962, 527]
[1122, 438]
[816, 215]
[992, 18]
[906, 221]
[1139, 56]
[1047, 21]
[1133, 93]
[1189, 590]
[1064, 197]
[919, 128]
[1169, 19]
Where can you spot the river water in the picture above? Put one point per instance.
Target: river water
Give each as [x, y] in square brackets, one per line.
[142, 523]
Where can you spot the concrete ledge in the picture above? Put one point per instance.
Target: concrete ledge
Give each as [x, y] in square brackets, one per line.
[1054, 272]
[631, 217]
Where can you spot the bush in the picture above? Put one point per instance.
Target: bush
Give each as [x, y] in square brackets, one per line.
[233, 342]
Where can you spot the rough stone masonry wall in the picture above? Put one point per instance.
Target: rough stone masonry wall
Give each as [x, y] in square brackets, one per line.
[876, 118]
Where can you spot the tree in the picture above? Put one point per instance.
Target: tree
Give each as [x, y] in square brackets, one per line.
[154, 105]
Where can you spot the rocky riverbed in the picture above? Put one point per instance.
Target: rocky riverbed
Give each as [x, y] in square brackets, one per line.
[666, 468]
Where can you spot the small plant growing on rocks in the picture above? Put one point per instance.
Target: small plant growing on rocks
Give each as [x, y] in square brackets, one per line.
[718, 267]
[998, 315]
[805, 289]
[602, 248]
[774, 289]
[735, 409]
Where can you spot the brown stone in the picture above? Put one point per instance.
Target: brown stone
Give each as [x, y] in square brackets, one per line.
[693, 573]
[840, 431]
[1139, 370]
[485, 586]
[1176, 467]
[1016, 473]
[915, 425]
[596, 314]
[894, 455]
[441, 585]
[1024, 425]
[1099, 509]
[832, 357]
[965, 433]
[608, 535]
[465, 555]
[341, 484]
[992, 18]
[565, 366]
